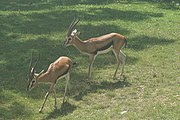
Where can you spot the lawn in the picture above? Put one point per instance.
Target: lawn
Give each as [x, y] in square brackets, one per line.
[151, 88]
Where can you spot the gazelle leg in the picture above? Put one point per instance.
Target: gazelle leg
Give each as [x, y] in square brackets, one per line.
[91, 57]
[55, 101]
[123, 59]
[116, 53]
[46, 96]
[67, 77]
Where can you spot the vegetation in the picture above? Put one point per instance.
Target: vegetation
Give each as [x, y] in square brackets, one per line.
[152, 84]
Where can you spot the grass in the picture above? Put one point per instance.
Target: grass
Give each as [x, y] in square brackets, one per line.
[152, 86]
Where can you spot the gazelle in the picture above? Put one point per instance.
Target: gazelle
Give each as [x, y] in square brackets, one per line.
[97, 45]
[57, 70]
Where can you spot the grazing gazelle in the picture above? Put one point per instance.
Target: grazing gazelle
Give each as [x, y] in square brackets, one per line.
[57, 70]
[97, 45]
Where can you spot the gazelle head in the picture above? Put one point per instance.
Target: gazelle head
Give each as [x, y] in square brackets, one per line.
[72, 33]
[32, 76]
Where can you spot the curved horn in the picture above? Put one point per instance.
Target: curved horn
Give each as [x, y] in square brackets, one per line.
[36, 61]
[30, 64]
[72, 25]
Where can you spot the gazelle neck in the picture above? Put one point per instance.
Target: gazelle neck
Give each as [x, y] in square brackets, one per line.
[79, 44]
[43, 78]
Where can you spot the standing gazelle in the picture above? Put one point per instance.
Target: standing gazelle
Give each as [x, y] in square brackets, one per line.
[97, 45]
[57, 70]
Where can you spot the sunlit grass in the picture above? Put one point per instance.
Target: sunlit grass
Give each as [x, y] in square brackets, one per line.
[151, 88]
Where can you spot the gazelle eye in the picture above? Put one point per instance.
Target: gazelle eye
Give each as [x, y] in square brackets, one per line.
[33, 81]
[69, 38]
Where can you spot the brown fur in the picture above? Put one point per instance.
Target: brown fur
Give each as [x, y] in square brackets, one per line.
[56, 70]
[95, 45]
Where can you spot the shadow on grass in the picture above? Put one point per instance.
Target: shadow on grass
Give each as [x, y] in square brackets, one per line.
[16, 48]
[113, 14]
[110, 59]
[164, 4]
[93, 87]
[90, 30]
[58, 20]
[144, 42]
[15, 56]
[66, 108]
[15, 52]
[48, 4]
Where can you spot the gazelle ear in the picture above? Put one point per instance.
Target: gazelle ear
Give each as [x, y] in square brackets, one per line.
[40, 73]
[74, 32]
[78, 33]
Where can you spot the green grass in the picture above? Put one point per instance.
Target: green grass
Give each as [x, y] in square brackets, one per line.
[152, 86]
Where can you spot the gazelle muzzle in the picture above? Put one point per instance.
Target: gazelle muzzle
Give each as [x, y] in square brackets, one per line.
[65, 43]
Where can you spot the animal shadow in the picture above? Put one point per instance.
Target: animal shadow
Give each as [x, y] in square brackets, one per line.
[93, 87]
[64, 110]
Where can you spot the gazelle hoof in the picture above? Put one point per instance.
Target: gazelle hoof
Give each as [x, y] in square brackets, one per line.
[55, 107]
[64, 101]
[40, 110]
[114, 78]
[88, 78]
[122, 77]
[89, 82]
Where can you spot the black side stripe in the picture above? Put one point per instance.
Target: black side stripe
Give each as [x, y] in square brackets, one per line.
[105, 47]
[64, 72]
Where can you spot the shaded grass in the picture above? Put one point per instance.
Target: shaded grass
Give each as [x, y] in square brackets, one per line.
[148, 42]
[66, 108]
[151, 88]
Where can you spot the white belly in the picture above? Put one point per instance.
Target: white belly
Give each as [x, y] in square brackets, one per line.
[105, 51]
